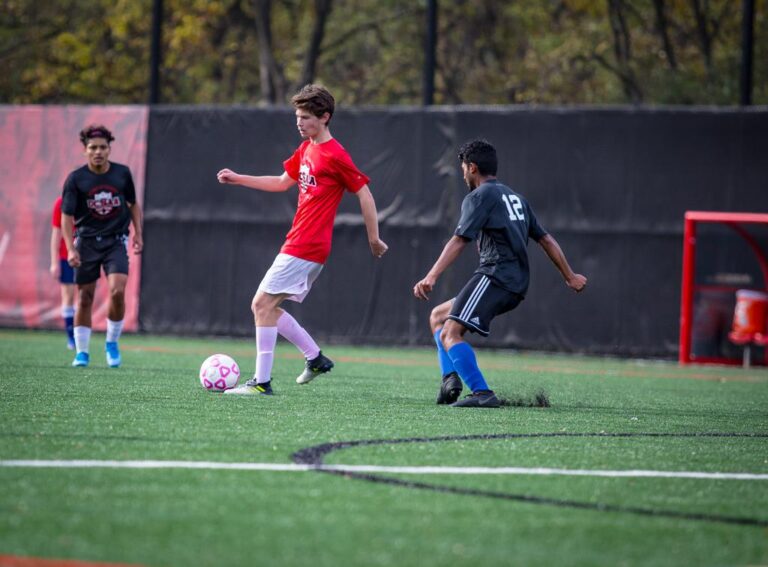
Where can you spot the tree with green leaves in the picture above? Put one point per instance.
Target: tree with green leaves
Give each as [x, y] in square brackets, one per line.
[372, 51]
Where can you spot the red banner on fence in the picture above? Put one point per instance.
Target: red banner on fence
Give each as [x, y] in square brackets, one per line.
[39, 146]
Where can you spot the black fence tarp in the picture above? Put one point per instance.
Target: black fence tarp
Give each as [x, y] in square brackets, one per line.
[611, 185]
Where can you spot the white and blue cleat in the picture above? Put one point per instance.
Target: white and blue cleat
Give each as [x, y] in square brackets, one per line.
[81, 359]
[113, 355]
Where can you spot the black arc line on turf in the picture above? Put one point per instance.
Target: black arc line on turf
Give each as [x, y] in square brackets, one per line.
[315, 455]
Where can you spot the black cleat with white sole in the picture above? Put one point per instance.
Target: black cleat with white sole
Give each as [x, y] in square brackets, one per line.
[315, 367]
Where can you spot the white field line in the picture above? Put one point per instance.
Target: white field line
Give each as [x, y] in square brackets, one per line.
[290, 467]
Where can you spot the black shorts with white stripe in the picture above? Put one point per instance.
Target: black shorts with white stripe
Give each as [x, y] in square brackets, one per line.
[480, 301]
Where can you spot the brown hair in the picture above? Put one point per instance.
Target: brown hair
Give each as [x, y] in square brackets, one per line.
[315, 99]
[95, 131]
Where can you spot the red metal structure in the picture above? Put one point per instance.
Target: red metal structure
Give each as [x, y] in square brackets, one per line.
[736, 222]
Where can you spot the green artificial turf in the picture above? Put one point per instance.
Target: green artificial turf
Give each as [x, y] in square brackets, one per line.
[153, 408]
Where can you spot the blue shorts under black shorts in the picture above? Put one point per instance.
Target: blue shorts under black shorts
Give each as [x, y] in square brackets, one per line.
[66, 272]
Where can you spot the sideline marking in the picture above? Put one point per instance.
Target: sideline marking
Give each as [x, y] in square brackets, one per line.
[292, 467]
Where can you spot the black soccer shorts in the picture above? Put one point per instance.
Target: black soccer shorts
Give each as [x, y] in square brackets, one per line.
[480, 301]
[109, 252]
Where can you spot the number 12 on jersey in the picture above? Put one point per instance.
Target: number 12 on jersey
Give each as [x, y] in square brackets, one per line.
[514, 206]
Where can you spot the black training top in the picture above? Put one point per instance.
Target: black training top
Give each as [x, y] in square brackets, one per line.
[99, 201]
[503, 220]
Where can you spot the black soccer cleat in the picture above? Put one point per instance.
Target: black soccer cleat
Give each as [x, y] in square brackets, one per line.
[450, 389]
[315, 367]
[479, 399]
[265, 389]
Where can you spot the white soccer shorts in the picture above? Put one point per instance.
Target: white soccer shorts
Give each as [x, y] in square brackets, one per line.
[290, 275]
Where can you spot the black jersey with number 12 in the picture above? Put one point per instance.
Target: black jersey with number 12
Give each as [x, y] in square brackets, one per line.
[502, 221]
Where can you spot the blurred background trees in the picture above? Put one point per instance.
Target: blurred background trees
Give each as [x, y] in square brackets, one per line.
[372, 51]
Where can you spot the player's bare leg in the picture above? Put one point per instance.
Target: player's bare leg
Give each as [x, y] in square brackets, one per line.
[117, 284]
[266, 308]
[85, 293]
[453, 334]
[439, 315]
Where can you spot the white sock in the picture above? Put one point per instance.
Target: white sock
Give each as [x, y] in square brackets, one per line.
[266, 338]
[114, 328]
[67, 311]
[82, 339]
[288, 327]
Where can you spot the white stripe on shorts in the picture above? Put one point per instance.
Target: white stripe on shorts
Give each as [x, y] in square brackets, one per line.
[477, 293]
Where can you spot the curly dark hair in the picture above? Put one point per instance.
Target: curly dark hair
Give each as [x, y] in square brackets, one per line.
[95, 131]
[315, 99]
[482, 154]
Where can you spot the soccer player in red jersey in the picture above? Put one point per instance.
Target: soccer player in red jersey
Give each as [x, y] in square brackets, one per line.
[324, 171]
[64, 273]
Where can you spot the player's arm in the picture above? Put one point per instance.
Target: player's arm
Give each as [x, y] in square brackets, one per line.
[573, 280]
[138, 234]
[452, 249]
[271, 183]
[68, 233]
[55, 239]
[371, 219]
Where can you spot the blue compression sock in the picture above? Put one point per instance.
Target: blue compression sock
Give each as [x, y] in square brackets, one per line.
[68, 314]
[465, 362]
[446, 365]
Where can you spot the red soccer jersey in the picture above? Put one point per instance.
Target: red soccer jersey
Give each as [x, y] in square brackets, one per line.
[324, 171]
[56, 223]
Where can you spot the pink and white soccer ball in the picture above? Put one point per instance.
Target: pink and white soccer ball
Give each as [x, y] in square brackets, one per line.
[219, 372]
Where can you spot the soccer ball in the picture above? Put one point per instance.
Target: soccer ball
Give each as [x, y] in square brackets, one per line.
[219, 372]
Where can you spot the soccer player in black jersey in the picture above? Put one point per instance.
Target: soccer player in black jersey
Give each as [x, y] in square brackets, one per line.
[98, 207]
[502, 221]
